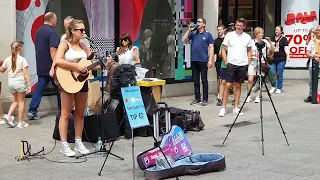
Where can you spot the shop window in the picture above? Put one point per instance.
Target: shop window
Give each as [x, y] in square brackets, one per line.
[151, 24]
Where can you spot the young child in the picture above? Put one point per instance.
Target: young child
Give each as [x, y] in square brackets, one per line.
[1, 111]
[2, 121]
[18, 82]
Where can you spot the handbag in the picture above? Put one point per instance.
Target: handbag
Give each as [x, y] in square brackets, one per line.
[265, 67]
[270, 56]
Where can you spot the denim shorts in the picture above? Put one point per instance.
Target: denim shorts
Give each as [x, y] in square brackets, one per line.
[17, 84]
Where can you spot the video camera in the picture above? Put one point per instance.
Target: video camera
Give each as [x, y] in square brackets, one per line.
[260, 45]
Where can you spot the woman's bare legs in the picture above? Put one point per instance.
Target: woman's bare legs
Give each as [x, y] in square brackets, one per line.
[66, 106]
[80, 107]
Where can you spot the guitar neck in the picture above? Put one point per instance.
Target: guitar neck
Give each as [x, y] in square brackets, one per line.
[93, 65]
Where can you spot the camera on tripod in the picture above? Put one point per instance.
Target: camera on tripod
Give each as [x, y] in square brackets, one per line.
[260, 45]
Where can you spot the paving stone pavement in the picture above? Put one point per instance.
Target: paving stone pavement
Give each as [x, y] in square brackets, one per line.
[242, 149]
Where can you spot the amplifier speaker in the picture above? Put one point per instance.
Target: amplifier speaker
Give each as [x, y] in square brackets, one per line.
[102, 125]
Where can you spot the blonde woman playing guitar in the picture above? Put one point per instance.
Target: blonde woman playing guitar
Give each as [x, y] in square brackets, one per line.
[71, 57]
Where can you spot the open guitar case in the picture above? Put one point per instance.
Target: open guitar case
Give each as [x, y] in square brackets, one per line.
[178, 152]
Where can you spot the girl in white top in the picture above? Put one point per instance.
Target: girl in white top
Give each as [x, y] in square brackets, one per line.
[18, 81]
[253, 68]
[127, 53]
[68, 54]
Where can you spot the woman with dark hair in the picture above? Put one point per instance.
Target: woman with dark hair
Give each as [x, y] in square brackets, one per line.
[127, 53]
[281, 56]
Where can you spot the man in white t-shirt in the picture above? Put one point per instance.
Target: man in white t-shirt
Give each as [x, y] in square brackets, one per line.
[66, 23]
[238, 44]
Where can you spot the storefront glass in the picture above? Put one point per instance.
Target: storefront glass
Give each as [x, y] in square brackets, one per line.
[248, 9]
[157, 27]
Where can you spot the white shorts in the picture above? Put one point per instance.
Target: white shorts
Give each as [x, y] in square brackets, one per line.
[252, 68]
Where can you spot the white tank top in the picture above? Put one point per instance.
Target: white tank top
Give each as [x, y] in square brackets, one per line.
[128, 56]
[74, 56]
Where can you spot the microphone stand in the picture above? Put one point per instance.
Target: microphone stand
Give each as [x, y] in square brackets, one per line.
[103, 148]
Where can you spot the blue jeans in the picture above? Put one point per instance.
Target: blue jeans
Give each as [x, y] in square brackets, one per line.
[278, 67]
[38, 92]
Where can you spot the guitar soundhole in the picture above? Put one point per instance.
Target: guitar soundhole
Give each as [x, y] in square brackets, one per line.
[82, 77]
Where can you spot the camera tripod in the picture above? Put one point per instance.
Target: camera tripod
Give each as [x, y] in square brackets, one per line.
[261, 80]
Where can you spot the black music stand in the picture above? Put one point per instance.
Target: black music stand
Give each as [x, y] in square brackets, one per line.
[114, 135]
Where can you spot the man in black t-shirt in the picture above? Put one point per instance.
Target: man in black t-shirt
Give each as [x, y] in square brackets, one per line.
[218, 60]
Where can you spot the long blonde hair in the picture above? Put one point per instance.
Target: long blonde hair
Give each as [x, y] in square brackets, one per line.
[72, 25]
[16, 46]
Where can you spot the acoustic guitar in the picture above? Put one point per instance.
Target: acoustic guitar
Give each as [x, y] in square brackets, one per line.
[71, 81]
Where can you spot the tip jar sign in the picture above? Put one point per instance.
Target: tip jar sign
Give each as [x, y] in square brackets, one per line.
[298, 17]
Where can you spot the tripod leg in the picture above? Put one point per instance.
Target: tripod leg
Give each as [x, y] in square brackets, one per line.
[255, 81]
[275, 111]
[107, 155]
[109, 152]
[261, 114]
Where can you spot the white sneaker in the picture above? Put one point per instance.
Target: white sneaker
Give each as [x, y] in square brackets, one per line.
[22, 125]
[81, 148]
[272, 90]
[2, 121]
[9, 121]
[66, 150]
[236, 111]
[278, 91]
[222, 112]
[249, 99]
[257, 100]
[12, 117]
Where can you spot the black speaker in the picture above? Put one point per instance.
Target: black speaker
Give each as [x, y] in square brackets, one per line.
[70, 135]
[102, 125]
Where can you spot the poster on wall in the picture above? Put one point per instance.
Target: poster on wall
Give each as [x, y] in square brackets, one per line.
[298, 17]
[98, 14]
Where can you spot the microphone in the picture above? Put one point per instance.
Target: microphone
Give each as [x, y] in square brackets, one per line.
[88, 38]
[195, 27]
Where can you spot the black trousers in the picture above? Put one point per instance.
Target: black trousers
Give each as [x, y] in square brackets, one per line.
[200, 68]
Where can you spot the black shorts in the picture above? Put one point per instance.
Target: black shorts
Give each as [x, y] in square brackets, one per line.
[223, 73]
[85, 88]
[218, 68]
[236, 74]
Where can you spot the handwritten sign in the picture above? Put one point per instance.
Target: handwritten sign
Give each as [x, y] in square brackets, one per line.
[134, 106]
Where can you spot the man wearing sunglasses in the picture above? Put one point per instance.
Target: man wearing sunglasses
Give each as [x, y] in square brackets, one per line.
[201, 58]
[46, 44]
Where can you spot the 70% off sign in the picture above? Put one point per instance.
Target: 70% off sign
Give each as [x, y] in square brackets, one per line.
[297, 45]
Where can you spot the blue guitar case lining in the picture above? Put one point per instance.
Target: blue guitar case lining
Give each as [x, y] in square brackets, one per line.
[193, 165]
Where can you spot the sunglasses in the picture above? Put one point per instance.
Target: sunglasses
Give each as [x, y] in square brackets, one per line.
[199, 22]
[81, 30]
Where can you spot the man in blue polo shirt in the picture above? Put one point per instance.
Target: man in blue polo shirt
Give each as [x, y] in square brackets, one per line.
[201, 58]
[46, 44]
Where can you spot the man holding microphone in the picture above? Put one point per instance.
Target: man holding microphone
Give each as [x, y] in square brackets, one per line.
[201, 58]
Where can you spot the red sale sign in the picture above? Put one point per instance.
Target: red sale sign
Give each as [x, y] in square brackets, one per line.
[300, 48]
[297, 21]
